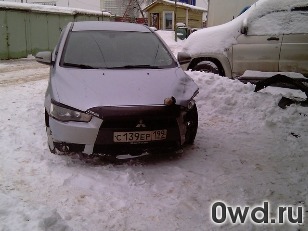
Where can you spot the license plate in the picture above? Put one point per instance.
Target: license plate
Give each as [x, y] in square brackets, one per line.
[140, 136]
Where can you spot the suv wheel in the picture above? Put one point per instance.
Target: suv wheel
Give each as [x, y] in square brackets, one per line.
[208, 67]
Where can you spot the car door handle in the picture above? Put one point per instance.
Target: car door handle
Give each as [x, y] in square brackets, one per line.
[273, 39]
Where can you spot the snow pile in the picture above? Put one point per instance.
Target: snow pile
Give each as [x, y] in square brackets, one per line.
[240, 103]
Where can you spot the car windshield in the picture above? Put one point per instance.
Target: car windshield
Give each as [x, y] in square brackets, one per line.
[115, 49]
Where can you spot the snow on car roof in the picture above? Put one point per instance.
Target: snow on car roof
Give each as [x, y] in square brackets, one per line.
[263, 7]
[216, 39]
[51, 9]
[112, 26]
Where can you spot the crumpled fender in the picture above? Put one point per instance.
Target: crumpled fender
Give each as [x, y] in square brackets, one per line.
[296, 83]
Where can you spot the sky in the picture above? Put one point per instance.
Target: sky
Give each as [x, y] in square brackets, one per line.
[85, 4]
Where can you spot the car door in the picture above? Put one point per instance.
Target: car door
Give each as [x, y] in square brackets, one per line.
[258, 53]
[294, 49]
[259, 48]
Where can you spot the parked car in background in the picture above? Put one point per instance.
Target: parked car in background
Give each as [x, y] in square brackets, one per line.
[271, 36]
[116, 87]
[183, 31]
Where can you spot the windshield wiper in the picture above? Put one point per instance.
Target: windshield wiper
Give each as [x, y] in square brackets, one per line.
[135, 66]
[82, 66]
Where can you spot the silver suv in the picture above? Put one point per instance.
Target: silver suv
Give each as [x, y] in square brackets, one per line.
[114, 88]
[271, 36]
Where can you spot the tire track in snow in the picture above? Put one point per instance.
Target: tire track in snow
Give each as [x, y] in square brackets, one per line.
[22, 71]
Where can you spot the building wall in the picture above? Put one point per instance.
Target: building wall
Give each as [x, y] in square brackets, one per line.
[26, 32]
[190, 2]
[222, 11]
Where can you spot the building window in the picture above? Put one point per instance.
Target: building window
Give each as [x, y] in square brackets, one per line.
[168, 17]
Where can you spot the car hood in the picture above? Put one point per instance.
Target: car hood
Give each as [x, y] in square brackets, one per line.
[84, 89]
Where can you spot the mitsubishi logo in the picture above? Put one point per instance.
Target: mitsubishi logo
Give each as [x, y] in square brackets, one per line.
[140, 124]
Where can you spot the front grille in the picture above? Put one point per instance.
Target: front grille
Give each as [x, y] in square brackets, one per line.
[139, 118]
[111, 112]
[107, 129]
[139, 123]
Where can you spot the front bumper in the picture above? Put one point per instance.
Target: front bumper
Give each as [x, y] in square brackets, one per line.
[96, 136]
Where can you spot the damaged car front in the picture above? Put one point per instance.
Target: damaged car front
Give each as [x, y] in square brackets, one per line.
[116, 88]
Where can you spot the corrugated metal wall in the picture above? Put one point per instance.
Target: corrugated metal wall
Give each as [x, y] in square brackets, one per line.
[25, 32]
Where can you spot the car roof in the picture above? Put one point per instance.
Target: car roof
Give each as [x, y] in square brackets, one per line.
[110, 26]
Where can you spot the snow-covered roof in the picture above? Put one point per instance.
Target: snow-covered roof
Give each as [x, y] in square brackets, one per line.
[179, 4]
[50, 9]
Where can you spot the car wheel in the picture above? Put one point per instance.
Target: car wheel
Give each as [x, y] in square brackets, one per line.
[209, 67]
[191, 121]
[50, 143]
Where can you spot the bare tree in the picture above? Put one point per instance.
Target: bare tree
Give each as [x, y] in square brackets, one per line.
[132, 8]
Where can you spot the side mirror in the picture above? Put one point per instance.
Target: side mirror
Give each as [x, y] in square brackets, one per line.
[244, 27]
[44, 57]
[183, 58]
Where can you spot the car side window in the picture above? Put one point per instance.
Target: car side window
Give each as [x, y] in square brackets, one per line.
[293, 21]
[273, 23]
[299, 20]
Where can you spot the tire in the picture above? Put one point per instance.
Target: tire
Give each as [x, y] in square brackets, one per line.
[191, 121]
[50, 143]
[209, 67]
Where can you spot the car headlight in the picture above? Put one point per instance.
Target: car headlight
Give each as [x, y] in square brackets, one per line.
[66, 114]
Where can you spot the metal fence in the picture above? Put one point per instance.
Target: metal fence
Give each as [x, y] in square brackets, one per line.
[24, 32]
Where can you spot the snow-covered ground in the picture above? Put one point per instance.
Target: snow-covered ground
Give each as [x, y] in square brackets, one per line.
[247, 150]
